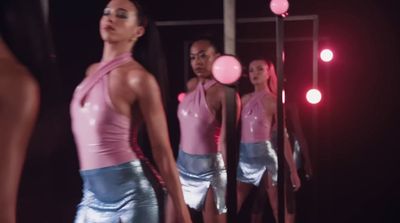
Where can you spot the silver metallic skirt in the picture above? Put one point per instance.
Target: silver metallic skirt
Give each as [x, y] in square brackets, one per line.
[117, 194]
[197, 173]
[254, 160]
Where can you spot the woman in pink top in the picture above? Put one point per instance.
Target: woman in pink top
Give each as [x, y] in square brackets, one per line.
[258, 161]
[117, 96]
[201, 160]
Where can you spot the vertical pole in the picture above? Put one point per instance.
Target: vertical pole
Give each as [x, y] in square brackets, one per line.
[230, 26]
[230, 127]
[280, 141]
[315, 51]
[45, 10]
[314, 145]
[232, 147]
[328, 144]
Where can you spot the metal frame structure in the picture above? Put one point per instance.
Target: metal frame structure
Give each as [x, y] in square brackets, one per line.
[314, 38]
[229, 23]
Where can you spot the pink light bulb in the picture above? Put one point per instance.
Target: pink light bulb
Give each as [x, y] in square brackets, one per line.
[279, 7]
[226, 69]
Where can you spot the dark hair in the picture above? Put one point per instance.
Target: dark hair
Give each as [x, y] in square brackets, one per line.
[142, 18]
[148, 51]
[212, 41]
[23, 27]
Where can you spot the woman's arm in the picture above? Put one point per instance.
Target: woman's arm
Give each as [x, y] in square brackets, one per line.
[294, 117]
[149, 98]
[294, 177]
[271, 108]
[19, 104]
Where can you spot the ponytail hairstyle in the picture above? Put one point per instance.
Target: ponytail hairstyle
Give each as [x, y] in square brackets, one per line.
[272, 81]
[148, 51]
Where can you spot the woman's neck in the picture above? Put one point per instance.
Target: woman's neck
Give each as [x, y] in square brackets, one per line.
[112, 50]
[205, 79]
[260, 87]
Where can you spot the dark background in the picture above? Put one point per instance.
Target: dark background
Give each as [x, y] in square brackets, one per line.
[354, 149]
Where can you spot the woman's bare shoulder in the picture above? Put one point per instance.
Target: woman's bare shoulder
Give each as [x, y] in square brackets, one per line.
[138, 78]
[17, 85]
[91, 68]
[191, 84]
[270, 102]
[245, 98]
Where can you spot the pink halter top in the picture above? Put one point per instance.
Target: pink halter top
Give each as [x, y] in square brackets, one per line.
[256, 127]
[103, 136]
[199, 129]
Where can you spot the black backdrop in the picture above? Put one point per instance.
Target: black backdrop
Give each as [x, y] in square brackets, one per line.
[357, 163]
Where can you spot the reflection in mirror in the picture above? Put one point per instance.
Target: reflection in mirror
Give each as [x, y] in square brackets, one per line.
[202, 152]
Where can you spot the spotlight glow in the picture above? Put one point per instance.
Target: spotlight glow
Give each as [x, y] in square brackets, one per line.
[326, 55]
[181, 96]
[314, 96]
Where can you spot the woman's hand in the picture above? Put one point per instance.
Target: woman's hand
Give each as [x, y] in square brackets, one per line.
[308, 171]
[295, 180]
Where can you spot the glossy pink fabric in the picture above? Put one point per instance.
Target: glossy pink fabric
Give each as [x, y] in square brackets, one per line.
[103, 137]
[199, 129]
[255, 125]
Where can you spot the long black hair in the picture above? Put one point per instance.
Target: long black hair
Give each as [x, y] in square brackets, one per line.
[23, 27]
[149, 52]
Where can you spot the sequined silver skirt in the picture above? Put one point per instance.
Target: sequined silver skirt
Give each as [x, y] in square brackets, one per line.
[254, 160]
[197, 173]
[116, 194]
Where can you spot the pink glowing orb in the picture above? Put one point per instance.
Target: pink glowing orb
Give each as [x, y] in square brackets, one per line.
[226, 69]
[314, 96]
[279, 7]
[283, 97]
[326, 55]
[181, 96]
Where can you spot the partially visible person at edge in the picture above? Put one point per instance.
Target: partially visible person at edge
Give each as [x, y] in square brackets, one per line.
[258, 161]
[119, 94]
[25, 58]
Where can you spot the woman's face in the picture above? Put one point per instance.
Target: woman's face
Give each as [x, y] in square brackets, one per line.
[202, 56]
[119, 22]
[258, 72]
